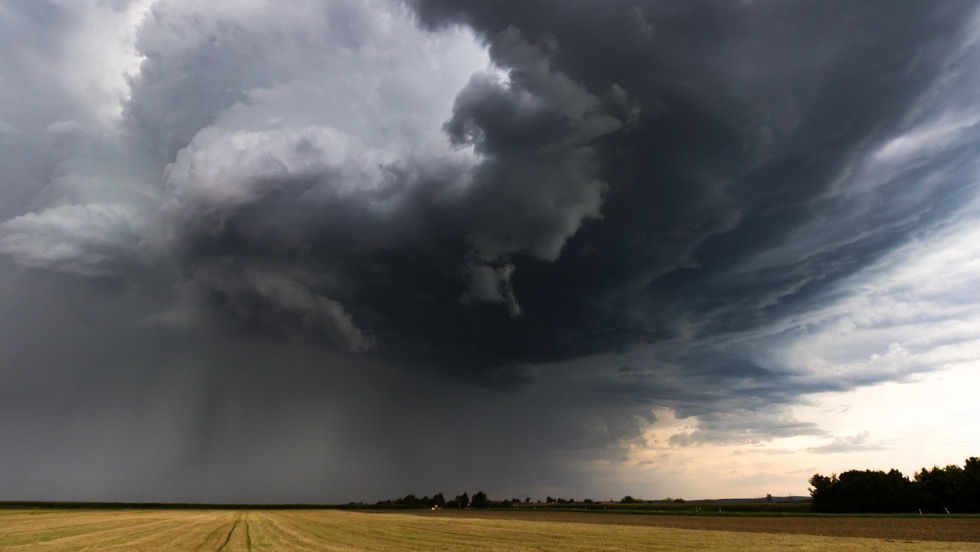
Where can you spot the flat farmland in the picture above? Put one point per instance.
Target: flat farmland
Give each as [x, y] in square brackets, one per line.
[289, 530]
[928, 528]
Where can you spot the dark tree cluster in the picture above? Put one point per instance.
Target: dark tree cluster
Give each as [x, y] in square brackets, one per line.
[551, 500]
[938, 490]
[411, 500]
[461, 501]
[479, 500]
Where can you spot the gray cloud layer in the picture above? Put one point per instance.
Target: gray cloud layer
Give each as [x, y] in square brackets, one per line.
[622, 207]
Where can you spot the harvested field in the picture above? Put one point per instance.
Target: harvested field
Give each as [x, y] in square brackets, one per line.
[929, 528]
[294, 530]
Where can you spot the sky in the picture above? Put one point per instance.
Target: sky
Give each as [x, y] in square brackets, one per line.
[320, 252]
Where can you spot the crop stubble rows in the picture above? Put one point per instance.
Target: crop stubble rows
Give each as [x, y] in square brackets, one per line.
[289, 530]
[927, 528]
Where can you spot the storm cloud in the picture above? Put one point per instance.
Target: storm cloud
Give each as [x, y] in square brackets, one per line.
[347, 238]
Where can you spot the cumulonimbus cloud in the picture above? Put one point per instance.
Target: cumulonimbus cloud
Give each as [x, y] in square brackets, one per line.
[483, 189]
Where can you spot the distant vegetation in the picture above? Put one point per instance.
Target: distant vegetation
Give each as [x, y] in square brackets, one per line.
[479, 500]
[763, 505]
[940, 490]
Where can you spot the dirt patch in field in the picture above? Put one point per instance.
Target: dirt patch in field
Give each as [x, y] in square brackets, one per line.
[895, 529]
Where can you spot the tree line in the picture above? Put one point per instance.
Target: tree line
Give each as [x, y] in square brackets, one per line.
[478, 500]
[952, 489]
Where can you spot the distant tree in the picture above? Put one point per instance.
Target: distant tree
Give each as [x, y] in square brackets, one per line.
[407, 500]
[480, 500]
[822, 492]
[461, 501]
[937, 490]
[862, 491]
[549, 500]
[629, 500]
[941, 489]
[971, 485]
[768, 497]
[438, 500]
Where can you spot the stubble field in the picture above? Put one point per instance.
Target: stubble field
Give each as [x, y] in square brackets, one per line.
[289, 530]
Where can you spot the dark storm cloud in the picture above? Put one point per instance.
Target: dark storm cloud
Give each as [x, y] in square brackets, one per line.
[642, 173]
[736, 196]
[328, 230]
[295, 202]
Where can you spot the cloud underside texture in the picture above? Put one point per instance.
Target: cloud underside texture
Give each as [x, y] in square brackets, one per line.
[620, 206]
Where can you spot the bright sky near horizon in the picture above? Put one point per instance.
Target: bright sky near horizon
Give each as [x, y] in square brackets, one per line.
[350, 250]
